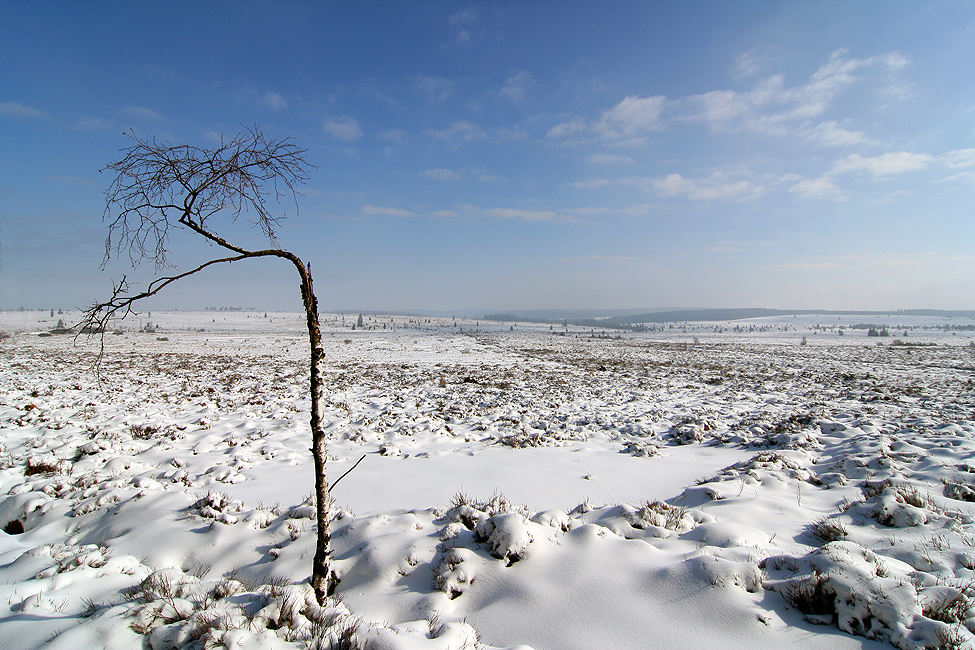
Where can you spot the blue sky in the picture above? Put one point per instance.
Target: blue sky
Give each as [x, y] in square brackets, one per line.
[515, 155]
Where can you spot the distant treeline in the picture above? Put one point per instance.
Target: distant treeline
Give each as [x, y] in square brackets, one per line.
[230, 309]
[738, 314]
[640, 321]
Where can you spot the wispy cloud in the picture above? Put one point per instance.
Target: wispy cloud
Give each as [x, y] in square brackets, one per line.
[343, 127]
[375, 210]
[396, 136]
[716, 187]
[89, 123]
[572, 127]
[463, 17]
[831, 134]
[274, 101]
[436, 89]
[749, 63]
[771, 107]
[523, 215]
[866, 260]
[959, 159]
[729, 247]
[774, 108]
[474, 211]
[628, 123]
[142, 114]
[463, 131]
[440, 174]
[887, 164]
[21, 111]
[517, 86]
[630, 120]
[817, 188]
[609, 159]
[596, 259]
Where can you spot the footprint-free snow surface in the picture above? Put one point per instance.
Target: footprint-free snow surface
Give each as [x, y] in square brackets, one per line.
[777, 483]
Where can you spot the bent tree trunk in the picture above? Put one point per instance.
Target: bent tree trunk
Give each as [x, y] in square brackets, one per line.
[161, 187]
[96, 319]
[323, 580]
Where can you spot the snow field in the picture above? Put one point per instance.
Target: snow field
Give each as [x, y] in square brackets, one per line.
[518, 488]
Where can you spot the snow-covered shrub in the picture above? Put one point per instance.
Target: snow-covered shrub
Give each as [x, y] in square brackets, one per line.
[506, 536]
[766, 461]
[847, 585]
[449, 573]
[897, 505]
[46, 464]
[664, 515]
[827, 529]
[218, 506]
[959, 491]
[640, 448]
[947, 604]
[690, 431]
[470, 512]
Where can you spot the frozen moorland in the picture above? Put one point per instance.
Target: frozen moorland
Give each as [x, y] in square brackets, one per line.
[756, 484]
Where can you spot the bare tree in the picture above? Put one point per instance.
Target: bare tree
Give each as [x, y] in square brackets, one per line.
[160, 188]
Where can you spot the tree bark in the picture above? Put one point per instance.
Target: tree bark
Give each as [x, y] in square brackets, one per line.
[323, 579]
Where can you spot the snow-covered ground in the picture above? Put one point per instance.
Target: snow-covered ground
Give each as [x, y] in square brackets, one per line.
[756, 484]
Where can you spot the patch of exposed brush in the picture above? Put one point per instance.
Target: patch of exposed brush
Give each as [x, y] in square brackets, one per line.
[827, 529]
[767, 461]
[525, 440]
[959, 491]
[663, 515]
[640, 448]
[44, 465]
[468, 511]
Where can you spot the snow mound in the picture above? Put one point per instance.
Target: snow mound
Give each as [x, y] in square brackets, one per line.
[844, 584]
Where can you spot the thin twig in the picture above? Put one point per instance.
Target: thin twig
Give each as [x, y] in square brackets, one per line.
[336, 481]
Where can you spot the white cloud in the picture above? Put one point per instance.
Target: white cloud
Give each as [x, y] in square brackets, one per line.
[343, 127]
[142, 114]
[773, 108]
[573, 127]
[516, 87]
[436, 89]
[523, 215]
[596, 259]
[716, 187]
[440, 174]
[959, 159]
[831, 134]
[462, 17]
[749, 63]
[21, 111]
[610, 159]
[464, 38]
[397, 136]
[508, 134]
[816, 188]
[599, 183]
[372, 210]
[626, 123]
[462, 130]
[885, 164]
[631, 118]
[866, 260]
[712, 188]
[274, 101]
[586, 212]
[89, 123]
